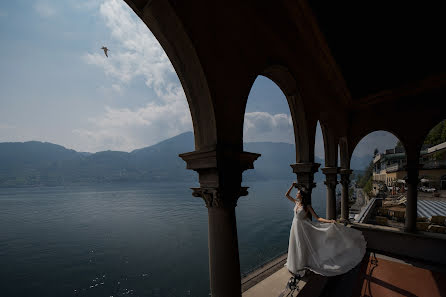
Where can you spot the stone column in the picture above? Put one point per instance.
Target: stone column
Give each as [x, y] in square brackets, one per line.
[331, 182]
[345, 182]
[220, 176]
[305, 176]
[412, 193]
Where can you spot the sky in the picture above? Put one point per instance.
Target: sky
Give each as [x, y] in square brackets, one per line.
[58, 86]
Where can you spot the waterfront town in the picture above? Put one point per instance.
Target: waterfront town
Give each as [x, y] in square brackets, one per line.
[385, 203]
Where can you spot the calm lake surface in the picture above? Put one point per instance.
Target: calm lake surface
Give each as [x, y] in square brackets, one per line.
[129, 240]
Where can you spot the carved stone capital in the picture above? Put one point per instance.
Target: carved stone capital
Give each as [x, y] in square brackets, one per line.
[345, 176]
[330, 176]
[199, 160]
[216, 166]
[305, 174]
[215, 197]
[330, 170]
[345, 171]
[305, 167]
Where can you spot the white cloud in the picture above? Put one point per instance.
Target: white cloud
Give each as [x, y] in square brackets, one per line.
[44, 9]
[263, 126]
[134, 53]
[85, 4]
[126, 129]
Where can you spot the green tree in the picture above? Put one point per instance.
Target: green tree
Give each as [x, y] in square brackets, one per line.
[437, 135]
[375, 152]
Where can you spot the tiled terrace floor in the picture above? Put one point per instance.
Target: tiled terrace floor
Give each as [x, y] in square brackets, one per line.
[376, 276]
[388, 277]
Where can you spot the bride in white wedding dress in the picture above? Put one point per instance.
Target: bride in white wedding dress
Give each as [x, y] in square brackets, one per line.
[324, 247]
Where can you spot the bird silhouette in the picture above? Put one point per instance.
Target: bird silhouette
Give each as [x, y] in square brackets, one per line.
[105, 50]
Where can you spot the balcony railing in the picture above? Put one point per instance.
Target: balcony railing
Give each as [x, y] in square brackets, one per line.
[434, 164]
[394, 167]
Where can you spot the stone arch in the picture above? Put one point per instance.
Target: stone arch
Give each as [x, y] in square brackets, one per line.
[284, 79]
[356, 140]
[330, 145]
[400, 163]
[163, 22]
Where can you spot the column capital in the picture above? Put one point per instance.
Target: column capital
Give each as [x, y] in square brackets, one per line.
[330, 170]
[330, 176]
[305, 174]
[219, 167]
[345, 171]
[345, 176]
[198, 160]
[215, 197]
[305, 167]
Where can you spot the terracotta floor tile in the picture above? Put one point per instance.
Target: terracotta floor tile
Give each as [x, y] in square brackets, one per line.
[384, 278]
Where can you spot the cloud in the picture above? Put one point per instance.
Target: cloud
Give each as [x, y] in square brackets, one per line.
[44, 9]
[263, 126]
[85, 4]
[134, 53]
[127, 129]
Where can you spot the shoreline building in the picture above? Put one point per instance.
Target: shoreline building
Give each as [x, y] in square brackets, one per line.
[390, 167]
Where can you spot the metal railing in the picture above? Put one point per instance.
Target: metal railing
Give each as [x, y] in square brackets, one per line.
[434, 164]
[393, 167]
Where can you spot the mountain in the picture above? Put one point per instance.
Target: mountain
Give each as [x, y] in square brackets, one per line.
[36, 163]
[360, 163]
[274, 162]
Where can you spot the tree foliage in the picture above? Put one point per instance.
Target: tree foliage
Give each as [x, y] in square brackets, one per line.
[437, 135]
[365, 181]
[367, 176]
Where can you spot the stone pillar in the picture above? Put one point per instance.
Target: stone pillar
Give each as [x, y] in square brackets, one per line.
[330, 182]
[412, 193]
[220, 176]
[345, 182]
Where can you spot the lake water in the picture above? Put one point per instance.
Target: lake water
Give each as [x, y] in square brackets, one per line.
[129, 240]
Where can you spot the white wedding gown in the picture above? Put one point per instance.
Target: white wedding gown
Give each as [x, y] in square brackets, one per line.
[324, 248]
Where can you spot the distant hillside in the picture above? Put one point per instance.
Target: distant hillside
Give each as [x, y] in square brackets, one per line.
[36, 163]
[274, 162]
[360, 163]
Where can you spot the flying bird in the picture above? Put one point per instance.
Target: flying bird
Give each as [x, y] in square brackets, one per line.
[105, 50]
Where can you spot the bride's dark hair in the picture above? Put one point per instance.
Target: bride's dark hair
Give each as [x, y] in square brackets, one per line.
[304, 197]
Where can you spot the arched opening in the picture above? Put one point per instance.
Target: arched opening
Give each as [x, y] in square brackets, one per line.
[264, 216]
[319, 193]
[327, 152]
[379, 180]
[108, 210]
[432, 177]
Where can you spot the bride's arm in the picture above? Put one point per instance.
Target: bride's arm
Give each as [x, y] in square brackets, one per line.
[313, 213]
[288, 193]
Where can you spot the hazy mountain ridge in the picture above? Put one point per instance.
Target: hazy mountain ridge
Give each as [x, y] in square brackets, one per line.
[36, 163]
